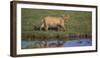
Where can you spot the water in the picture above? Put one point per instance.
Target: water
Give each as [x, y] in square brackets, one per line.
[55, 43]
[82, 42]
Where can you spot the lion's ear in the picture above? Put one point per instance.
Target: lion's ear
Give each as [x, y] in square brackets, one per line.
[66, 16]
[63, 15]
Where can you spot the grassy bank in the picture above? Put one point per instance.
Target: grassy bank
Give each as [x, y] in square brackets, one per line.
[36, 35]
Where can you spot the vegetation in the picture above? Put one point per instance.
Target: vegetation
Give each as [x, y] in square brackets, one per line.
[79, 24]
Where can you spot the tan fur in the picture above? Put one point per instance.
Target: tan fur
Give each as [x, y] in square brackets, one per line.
[53, 21]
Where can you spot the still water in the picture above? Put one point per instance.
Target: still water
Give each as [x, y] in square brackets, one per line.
[55, 43]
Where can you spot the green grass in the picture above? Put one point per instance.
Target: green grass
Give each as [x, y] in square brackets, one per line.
[80, 22]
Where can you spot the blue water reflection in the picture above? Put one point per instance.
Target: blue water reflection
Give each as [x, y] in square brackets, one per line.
[54, 43]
